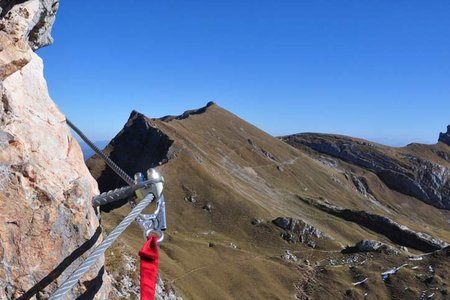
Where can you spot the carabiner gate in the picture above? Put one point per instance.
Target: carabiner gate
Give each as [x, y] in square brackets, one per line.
[155, 222]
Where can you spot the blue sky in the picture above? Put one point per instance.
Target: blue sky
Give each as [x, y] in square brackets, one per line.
[373, 69]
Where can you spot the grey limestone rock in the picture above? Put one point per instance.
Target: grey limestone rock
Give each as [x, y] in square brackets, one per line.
[299, 231]
[369, 246]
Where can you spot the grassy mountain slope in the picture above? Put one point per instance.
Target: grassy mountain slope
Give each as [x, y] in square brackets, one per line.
[226, 181]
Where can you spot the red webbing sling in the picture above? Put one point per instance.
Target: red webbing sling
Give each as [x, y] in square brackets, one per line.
[149, 268]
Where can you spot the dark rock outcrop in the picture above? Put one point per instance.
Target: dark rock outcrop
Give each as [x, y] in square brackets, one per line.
[139, 143]
[444, 137]
[404, 172]
[394, 231]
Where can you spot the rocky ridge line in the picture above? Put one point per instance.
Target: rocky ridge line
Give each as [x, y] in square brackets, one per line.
[187, 113]
[407, 173]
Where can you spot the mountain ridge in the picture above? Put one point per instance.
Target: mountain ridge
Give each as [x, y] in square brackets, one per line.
[227, 181]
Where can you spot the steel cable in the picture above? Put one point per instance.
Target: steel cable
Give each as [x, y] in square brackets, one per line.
[121, 193]
[70, 282]
[112, 196]
[107, 160]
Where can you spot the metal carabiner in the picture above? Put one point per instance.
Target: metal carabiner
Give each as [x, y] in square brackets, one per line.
[155, 222]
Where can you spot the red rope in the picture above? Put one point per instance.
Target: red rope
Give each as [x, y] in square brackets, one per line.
[149, 268]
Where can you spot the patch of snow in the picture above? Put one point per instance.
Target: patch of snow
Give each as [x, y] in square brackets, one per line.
[415, 258]
[387, 274]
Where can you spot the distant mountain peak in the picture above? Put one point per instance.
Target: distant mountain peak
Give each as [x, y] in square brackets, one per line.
[135, 114]
[445, 137]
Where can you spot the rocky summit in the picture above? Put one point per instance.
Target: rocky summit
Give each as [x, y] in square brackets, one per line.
[252, 216]
[444, 137]
[47, 223]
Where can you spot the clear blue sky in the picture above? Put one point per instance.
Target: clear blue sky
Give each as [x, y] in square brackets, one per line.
[374, 69]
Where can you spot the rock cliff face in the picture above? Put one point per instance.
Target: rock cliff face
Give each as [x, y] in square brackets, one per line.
[402, 169]
[46, 220]
[127, 151]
